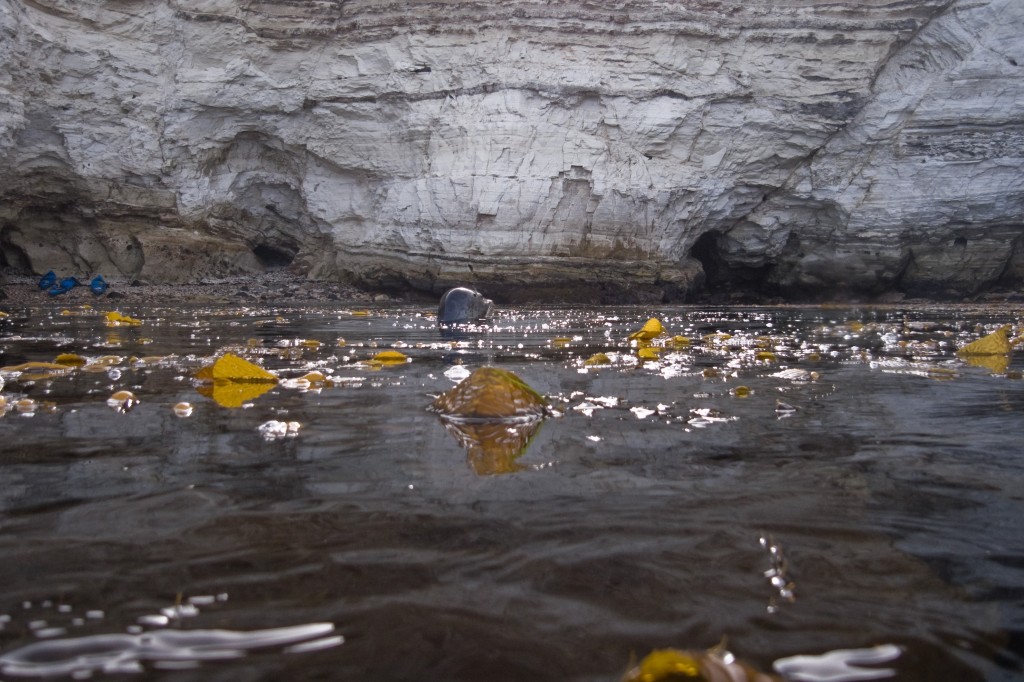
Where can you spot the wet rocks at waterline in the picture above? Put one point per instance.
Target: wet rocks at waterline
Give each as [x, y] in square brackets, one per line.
[493, 415]
[491, 394]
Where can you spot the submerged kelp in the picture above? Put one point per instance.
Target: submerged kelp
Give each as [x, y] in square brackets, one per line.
[651, 515]
[674, 665]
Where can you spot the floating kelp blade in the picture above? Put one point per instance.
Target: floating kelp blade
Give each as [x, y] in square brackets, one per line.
[123, 401]
[996, 343]
[116, 319]
[389, 358]
[236, 381]
[28, 366]
[70, 360]
[674, 665]
[230, 367]
[491, 394]
[34, 371]
[651, 330]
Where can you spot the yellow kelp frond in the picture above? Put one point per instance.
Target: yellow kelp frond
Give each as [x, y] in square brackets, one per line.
[996, 343]
[230, 367]
[122, 401]
[116, 319]
[232, 381]
[35, 371]
[713, 665]
[597, 359]
[26, 366]
[390, 357]
[651, 329]
[70, 360]
[666, 665]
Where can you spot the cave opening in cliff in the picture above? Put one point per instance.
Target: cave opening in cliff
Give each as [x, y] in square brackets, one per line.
[13, 256]
[705, 250]
[720, 276]
[271, 256]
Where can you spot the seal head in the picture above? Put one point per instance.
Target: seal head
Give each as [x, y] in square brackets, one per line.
[461, 305]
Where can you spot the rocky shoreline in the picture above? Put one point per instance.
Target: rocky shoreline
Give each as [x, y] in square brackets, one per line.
[276, 287]
[282, 287]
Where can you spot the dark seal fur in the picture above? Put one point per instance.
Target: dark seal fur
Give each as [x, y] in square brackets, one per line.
[461, 305]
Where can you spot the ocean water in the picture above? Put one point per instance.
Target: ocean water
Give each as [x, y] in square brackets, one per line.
[788, 481]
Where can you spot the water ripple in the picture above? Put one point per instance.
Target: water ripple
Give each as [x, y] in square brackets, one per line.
[80, 657]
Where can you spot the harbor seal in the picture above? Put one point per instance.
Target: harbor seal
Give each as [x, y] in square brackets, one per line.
[460, 305]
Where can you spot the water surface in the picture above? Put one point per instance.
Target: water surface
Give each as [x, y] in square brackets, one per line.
[796, 480]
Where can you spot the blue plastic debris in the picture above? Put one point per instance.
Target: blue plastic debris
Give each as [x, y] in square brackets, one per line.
[98, 285]
[66, 284]
[48, 280]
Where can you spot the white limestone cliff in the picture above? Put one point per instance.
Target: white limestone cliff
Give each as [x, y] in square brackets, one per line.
[607, 150]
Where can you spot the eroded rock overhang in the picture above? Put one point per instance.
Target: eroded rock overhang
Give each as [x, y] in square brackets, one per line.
[612, 151]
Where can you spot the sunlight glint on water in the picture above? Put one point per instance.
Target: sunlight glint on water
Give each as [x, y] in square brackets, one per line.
[798, 480]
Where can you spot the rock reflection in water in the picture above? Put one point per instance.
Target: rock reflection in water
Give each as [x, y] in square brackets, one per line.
[493, 414]
[493, 447]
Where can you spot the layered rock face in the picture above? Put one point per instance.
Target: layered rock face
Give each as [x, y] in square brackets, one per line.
[591, 151]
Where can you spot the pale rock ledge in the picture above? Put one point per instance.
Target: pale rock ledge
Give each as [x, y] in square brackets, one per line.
[581, 152]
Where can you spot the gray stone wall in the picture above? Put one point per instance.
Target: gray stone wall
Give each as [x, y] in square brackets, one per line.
[574, 151]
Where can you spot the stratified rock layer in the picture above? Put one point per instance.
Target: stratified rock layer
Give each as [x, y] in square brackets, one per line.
[588, 152]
